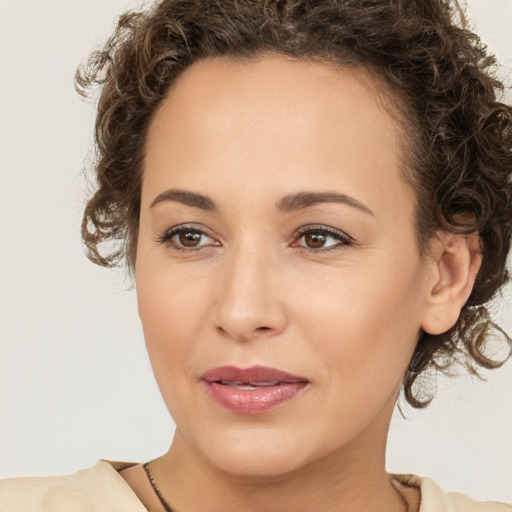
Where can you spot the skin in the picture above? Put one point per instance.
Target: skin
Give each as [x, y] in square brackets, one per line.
[346, 316]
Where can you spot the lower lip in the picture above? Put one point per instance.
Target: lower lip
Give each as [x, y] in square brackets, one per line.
[254, 401]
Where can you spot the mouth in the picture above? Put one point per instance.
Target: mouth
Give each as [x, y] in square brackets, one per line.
[252, 390]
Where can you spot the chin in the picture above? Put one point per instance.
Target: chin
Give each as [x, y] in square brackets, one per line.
[255, 454]
[257, 465]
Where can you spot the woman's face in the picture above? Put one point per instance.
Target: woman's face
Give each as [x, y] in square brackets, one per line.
[276, 231]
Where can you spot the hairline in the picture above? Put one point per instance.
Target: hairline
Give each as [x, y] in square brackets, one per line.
[394, 103]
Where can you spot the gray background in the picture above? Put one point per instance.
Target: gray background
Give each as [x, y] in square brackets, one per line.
[75, 382]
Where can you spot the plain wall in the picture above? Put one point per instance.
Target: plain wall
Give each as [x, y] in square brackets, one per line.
[75, 381]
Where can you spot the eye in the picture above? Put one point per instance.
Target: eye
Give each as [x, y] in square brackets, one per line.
[187, 238]
[321, 238]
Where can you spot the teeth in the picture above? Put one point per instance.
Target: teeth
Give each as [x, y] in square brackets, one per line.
[248, 385]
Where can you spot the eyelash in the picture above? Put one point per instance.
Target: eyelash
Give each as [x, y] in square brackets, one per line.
[168, 235]
[343, 239]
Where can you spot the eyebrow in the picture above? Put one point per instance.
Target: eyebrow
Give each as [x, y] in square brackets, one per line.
[287, 204]
[305, 199]
[185, 197]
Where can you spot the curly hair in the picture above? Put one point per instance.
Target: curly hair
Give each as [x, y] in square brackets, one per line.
[459, 159]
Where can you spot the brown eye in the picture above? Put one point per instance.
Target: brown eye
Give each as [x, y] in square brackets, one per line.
[322, 238]
[189, 238]
[315, 240]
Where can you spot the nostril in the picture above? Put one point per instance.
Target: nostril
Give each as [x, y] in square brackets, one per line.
[263, 328]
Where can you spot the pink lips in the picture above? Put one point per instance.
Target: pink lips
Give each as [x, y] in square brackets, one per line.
[252, 390]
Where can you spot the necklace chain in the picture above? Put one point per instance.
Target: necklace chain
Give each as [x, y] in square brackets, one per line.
[168, 508]
[155, 488]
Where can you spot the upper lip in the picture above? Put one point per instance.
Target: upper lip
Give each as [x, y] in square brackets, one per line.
[248, 375]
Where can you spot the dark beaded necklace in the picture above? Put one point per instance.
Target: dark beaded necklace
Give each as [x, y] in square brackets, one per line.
[155, 488]
[167, 507]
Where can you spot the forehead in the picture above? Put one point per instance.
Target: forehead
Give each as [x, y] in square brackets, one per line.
[237, 86]
[277, 123]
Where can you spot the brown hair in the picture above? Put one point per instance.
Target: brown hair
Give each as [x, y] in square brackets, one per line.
[460, 157]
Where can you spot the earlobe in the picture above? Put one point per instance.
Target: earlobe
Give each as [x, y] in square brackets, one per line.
[455, 262]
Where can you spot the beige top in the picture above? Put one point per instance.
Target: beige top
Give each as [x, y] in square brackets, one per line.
[102, 489]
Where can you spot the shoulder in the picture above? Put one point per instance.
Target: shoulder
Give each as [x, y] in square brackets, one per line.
[97, 489]
[434, 499]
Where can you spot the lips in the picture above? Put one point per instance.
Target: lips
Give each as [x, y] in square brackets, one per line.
[252, 390]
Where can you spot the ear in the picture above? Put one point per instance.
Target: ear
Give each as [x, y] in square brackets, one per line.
[454, 264]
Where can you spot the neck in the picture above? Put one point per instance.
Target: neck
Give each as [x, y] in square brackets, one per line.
[351, 478]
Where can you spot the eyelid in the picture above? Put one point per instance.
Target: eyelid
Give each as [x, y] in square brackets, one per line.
[343, 238]
[180, 228]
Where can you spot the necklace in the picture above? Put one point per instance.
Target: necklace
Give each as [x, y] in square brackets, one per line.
[168, 508]
[155, 488]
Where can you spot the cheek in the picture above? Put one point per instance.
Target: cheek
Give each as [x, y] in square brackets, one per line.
[367, 323]
[172, 300]
[172, 320]
[365, 330]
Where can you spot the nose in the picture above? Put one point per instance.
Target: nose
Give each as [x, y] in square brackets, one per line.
[249, 303]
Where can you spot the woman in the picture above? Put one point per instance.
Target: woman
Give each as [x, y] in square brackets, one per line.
[314, 199]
